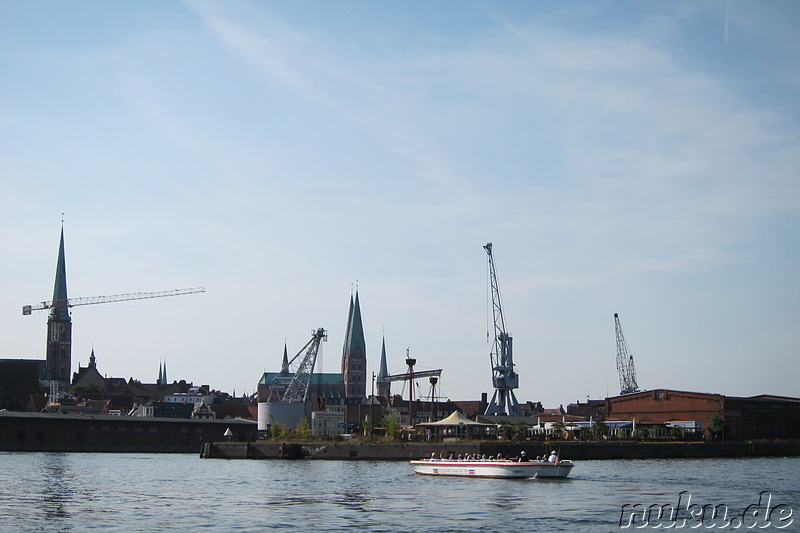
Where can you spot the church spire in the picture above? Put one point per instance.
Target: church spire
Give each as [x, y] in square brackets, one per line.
[346, 346]
[92, 360]
[60, 308]
[285, 363]
[59, 324]
[383, 386]
[354, 359]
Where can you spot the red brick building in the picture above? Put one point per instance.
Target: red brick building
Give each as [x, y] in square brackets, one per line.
[758, 417]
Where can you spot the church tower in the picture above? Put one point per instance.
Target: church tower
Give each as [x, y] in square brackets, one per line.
[59, 325]
[354, 354]
[384, 387]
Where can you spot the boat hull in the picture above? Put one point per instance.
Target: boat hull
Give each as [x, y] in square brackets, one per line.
[492, 469]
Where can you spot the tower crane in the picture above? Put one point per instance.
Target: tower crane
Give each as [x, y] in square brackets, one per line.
[504, 378]
[627, 373]
[73, 302]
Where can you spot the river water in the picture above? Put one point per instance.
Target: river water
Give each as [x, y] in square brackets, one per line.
[134, 492]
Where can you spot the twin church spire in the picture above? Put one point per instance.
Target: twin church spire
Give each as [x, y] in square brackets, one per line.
[354, 353]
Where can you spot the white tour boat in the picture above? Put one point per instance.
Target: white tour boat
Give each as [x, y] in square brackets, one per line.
[496, 468]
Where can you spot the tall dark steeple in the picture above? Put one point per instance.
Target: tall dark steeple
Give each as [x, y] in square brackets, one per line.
[384, 387]
[354, 356]
[59, 325]
[285, 362]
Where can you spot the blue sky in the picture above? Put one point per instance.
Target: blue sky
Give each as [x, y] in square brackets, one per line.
[641, 158]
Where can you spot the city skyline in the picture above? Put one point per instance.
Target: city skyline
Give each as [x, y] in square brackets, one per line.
[629, 158]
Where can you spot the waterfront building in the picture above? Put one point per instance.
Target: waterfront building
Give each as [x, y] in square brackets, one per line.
[755, 417]
[20, 384]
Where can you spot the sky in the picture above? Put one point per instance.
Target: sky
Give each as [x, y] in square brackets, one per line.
[640, 158]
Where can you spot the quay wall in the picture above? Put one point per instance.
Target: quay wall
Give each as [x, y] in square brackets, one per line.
[56, 432]
[568, 450]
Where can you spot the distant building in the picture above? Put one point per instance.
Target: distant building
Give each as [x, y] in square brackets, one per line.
[193, 396]
[20, 384]
[354, 354]
[328, 389]
[59, 325]
[757, 417]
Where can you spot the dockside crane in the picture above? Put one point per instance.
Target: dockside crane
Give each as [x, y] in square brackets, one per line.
[504, 378]
[303, 364]
[74, 302]
[627, 373]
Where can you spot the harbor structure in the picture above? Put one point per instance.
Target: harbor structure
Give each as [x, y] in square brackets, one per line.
[279, 393]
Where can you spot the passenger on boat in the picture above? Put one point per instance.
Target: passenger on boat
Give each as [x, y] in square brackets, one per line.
[553, 457]
[523, 457]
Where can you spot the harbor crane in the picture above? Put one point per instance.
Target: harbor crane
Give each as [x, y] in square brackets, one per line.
[504, 378]
[627, 373]
[74, 302]
[297, 389]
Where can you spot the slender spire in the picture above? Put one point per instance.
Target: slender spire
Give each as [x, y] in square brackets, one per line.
[164, 377]
[60, 288]
[285, 363]
[92, 360]
[354, 360]
[383, 372]
[346, 346]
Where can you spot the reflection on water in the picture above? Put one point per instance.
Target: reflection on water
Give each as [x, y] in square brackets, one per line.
[57, 485]
[126, 492]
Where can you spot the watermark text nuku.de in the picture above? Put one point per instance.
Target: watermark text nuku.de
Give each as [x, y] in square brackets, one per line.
[766, 513]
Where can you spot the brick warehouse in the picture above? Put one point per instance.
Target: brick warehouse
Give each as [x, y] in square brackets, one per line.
[757, 417]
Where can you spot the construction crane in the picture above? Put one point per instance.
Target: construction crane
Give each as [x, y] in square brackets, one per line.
[303, 363]
[504, 378]
[73, 302]
[627, 373]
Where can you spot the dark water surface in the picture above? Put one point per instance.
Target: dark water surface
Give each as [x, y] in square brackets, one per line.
[132, 492]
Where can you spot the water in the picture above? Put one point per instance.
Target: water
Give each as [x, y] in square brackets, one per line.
[44, 492]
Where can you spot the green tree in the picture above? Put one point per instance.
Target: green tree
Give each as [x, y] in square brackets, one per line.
[392, 426]
[276, 431]
[520, 430]
[557, 432]
[303, 426]
[716, 426]
[599, 430]
[84, 389]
